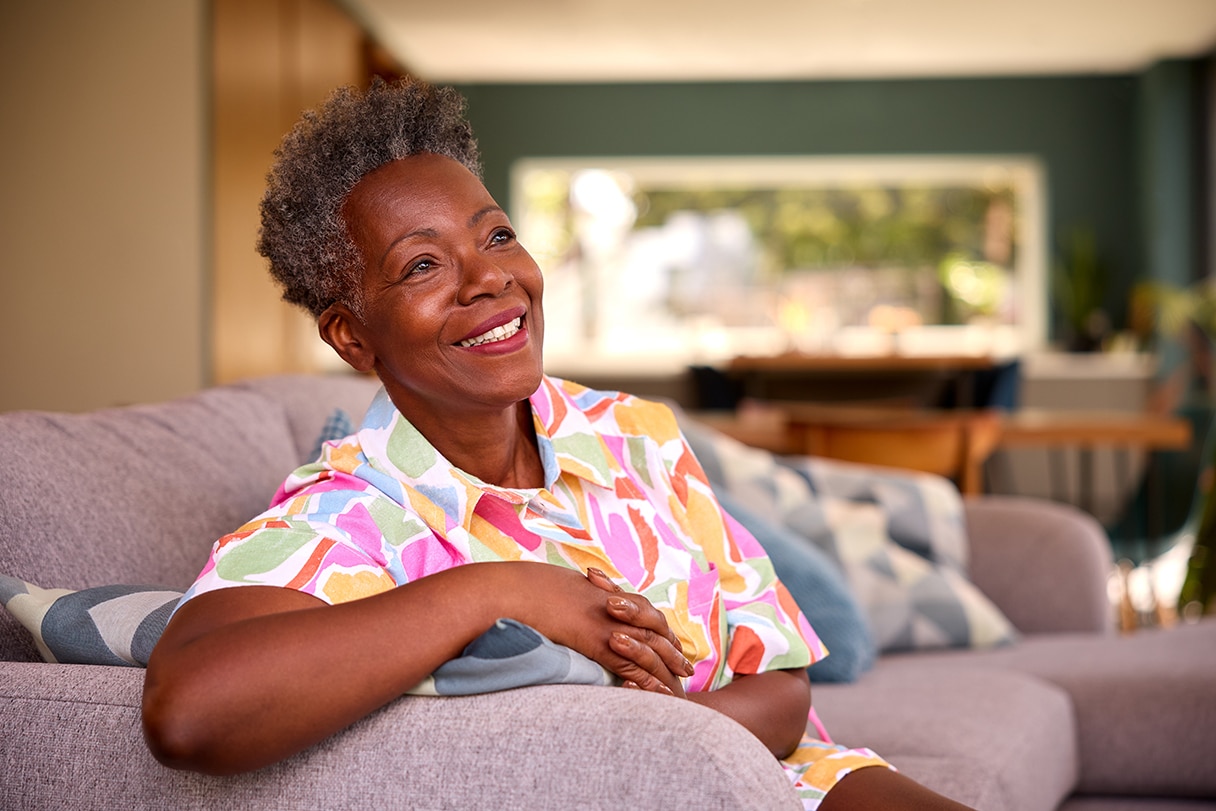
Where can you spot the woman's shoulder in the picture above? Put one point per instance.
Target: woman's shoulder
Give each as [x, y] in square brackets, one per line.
[616, 411]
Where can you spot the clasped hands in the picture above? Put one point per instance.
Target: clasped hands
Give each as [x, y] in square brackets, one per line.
[650, 655]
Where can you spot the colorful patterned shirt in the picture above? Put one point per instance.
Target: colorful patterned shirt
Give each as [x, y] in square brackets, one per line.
[623, 492]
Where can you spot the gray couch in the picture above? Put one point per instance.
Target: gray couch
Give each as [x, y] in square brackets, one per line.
[1071, 716]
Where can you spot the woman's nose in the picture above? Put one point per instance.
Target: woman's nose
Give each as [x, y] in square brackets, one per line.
[482, 276]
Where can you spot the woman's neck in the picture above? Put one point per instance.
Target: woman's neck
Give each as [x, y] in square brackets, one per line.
[497, 447]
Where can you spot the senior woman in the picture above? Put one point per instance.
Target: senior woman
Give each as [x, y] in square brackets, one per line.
[472, 475]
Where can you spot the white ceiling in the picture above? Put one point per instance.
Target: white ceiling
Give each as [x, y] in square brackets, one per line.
[656, 40]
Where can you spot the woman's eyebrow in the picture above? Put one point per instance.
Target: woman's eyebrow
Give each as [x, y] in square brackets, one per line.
[430, 233]
[482, 213]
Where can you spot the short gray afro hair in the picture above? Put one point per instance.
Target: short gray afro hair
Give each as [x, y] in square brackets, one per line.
[318, 163]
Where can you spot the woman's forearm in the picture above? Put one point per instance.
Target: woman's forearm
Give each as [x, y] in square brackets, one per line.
[773, 706]
[245, 677]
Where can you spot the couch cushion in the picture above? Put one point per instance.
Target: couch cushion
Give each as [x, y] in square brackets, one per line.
[133, 495]
[1144, 703]
[991, 740]
[1047, 565]
[310, 400]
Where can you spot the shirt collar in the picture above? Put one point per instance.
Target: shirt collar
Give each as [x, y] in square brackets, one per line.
[396, 451]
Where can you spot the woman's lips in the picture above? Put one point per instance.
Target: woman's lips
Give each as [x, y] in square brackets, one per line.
[496, 334]
[499, 321]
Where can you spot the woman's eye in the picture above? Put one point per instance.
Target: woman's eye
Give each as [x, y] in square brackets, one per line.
[421, 266]
[502, 236]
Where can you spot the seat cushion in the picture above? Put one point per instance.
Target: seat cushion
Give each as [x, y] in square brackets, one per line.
[1145, 703]
[989, 739]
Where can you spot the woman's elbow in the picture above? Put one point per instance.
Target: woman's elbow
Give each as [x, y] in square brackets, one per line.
[174, 727]
[797, 688]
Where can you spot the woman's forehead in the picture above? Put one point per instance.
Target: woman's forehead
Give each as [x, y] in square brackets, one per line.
[420, 184]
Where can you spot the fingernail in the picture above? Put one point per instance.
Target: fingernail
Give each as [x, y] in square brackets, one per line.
[624, 639]
[596, 572]
[688, 668]
[620, 603]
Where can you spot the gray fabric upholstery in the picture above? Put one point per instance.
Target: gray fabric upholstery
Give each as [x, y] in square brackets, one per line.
[1097, 803]
[1144, 703]
[308, 399]
[987, 739]
[1045, 565]
[71, 741]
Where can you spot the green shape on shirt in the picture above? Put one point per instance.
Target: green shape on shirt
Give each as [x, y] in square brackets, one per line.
[637, 458]
[395, 524]
[409, 450]
[585, 448]
[263, 552]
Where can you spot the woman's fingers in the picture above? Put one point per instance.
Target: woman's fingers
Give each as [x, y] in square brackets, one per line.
[634, 608]
[651, 629]
[649, 644]
[597, 577]
[644, 668]
[651, 624]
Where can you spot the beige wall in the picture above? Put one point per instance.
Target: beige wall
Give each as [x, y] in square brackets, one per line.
[102, 230]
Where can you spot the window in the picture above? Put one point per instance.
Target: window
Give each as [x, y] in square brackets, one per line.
[659, 263]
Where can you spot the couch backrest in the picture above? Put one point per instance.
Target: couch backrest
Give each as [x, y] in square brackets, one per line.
[138, 495]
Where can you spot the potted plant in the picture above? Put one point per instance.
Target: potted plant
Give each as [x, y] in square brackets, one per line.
[1180, 322]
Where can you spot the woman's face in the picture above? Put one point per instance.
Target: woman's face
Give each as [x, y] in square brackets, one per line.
[452, 313]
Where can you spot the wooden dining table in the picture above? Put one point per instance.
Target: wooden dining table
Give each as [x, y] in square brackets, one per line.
[1126, 432]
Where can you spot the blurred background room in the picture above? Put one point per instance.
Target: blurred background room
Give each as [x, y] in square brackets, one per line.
[797, 218]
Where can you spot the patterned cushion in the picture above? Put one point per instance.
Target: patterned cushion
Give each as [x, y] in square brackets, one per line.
[119, 625]
[106, 625]
[510, 655]
[898, 536]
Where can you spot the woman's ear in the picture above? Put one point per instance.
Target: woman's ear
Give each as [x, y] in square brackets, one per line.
[342, 329]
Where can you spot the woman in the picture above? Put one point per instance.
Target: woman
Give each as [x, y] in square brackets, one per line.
[472, 474]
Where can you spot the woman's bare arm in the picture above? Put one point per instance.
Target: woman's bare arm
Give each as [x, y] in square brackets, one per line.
[772, 705]
[244, 677]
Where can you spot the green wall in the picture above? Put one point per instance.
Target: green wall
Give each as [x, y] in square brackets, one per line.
[1084, 129]
[1170, 161]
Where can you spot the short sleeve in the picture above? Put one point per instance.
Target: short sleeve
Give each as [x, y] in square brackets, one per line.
[337, 539]
[766, 630]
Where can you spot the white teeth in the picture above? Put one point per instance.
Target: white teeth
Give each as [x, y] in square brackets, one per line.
[496, 334]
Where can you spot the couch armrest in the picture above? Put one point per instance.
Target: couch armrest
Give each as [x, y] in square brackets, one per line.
[70, 738]
[1046, 565]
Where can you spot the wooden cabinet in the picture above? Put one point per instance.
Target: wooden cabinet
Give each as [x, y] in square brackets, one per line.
[270, 60]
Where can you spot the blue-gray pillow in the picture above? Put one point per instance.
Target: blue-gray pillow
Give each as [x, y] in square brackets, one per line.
[819, 588]
[119, 625]
[106, 625]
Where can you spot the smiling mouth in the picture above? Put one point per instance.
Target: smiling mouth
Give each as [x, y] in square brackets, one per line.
[497, 334]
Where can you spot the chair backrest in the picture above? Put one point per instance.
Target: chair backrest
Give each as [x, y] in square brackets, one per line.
[954, 444]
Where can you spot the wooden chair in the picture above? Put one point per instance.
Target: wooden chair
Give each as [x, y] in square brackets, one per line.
[954, 444]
